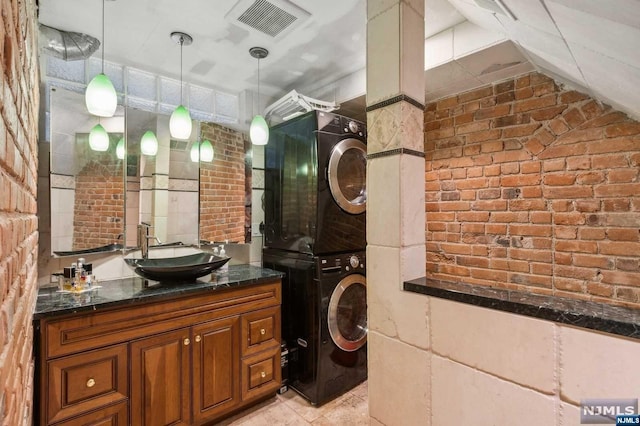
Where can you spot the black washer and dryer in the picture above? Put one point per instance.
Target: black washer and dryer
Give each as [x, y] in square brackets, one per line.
[315, 185]
[324, 321]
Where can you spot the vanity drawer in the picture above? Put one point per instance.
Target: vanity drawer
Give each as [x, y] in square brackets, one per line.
[114, 415]
[81, 383]
[261, 374]
[260, 330]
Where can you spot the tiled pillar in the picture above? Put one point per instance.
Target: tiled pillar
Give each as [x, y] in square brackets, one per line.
[399, 364]
[160, 197]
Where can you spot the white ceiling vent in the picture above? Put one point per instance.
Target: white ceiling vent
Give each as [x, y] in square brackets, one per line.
[274, 18]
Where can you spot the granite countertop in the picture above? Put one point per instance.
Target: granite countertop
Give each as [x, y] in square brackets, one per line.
[125, 291]
[580, 313]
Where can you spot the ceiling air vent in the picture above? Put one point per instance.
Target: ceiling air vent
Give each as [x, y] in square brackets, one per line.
[274, 18]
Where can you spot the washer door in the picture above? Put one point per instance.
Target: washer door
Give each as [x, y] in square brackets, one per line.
[348, 313]
[347, 175]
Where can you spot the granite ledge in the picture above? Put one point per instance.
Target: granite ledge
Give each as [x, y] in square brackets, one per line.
[134, 290]
[579, 313]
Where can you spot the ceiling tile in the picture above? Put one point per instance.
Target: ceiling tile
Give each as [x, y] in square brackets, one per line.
[505, 73]
[534, 38]
[623, 11]
[567, 71]
[618, 41]
[533, 12]
[478, 15]
[446, 75]
[469, 37]
[438, 16]
[613, 82]
[438, 49]
[492, 59]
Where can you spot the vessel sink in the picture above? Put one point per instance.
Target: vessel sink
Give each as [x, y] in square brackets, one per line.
[180, 268]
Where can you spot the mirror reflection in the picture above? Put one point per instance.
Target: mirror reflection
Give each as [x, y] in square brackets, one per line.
[87, 187]
[189, 191]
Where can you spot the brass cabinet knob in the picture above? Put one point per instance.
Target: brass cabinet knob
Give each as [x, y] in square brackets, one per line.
[263, 374]
[263, 331]
[91, 383]
[187, 341]
[198, 338]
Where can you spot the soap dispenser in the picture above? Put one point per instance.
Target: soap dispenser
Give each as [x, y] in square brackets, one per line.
[223, 254]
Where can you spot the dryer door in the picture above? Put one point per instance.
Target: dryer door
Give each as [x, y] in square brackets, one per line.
[348, 313]
[347, 175]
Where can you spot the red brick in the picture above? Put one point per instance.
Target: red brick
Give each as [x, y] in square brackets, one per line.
[520, 180]
[598, 289]
[540, 217]
[544, 88]
[447, 103]
[512, 120]
[464, 118]
[530, 167]
[558, 126]
[538, 78]
[440, 134]
[563, 151]
[559, 179]
[578, 135]
[616, 205]
[504, 86]
[628, 294]
[591, 233]
[471, 150]
[478, 262]
[493, 146]
[472, 127]
[535, 103]
[519, 131]
[622, 129]
[592, 109]
[573, 117]
[609, 118]
[573, 218]
[534, 230]
[623, 144]
[588, 206]
[617, 190]
[523, 82]
[566, 232]
[473, 216]
[547, 113]
[524, 93]
[475, 94]
[619, 248]
[488, 274]
[554, 165]
[625, 175]
[519, 205]
[531, 255]
[572, 96]
[621, 278]
[567, 192]
[579, 163]
[623, 234]
[508, 156]
[609, 161]
[496, 111]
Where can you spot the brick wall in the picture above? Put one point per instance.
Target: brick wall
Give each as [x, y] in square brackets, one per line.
[98, 214]
[534, 187]
[222, 186]
[19, 100]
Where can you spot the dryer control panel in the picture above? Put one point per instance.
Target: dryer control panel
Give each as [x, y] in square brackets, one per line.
[345, 264]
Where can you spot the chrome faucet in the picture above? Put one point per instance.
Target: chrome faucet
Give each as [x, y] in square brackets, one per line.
[143, 238]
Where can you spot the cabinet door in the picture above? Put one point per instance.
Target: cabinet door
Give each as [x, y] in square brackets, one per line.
[160, 379]
[114, 415]
[216, 369]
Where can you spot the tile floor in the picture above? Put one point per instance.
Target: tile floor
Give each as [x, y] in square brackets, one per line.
[351, 408]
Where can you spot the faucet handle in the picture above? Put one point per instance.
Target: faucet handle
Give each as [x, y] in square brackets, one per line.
[147, 224]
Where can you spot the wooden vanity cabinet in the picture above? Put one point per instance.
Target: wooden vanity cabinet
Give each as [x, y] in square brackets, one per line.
[184, 361]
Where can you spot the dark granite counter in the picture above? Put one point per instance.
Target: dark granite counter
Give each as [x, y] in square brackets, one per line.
[591, 315]
[50, 302]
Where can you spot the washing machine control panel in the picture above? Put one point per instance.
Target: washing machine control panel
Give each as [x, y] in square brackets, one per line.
[338, 264]
[353, 126]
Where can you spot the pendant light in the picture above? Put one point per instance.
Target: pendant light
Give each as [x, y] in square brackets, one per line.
[100, 97]
[149, 143]
[120, 149]
[259, 130]
[180, 121]
[206, 151]
[98, 138]
[195, 152]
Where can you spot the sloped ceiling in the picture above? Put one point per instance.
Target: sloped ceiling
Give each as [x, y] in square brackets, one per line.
[592, 45]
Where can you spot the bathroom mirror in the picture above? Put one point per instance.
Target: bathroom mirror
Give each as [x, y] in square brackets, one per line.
[168, 190]
[87, 186]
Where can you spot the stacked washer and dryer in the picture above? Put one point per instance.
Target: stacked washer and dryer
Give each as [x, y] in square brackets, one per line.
[315, 232]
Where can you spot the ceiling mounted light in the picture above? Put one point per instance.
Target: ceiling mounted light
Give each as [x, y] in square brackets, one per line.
[100, 97]
[259, 130]
[99, 138]
[149, 143]
[180, 122]
[120, 149]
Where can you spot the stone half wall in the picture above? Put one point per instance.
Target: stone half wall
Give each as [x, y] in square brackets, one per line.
[19, 100]
[222, 186]
[534, 187]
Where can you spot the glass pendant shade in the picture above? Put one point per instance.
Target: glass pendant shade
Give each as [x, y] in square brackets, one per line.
[100, 97]
[120, 149]
[206, 151]
[259, 131]
[180, 123]
[99, 138]
[195, 152]
[149, 143]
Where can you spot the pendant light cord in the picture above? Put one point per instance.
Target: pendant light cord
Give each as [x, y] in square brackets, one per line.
[102, 36]
[181, 43]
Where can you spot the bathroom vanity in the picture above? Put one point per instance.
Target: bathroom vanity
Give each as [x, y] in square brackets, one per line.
[181, 354]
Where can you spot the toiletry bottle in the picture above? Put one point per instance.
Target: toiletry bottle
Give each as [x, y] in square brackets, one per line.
[223, 254]
[81, 275]
[216, 252]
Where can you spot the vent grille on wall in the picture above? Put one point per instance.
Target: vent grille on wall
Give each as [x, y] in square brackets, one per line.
[274, 18]
[175, 145]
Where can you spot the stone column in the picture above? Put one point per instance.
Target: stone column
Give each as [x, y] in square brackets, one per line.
[399, 364]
